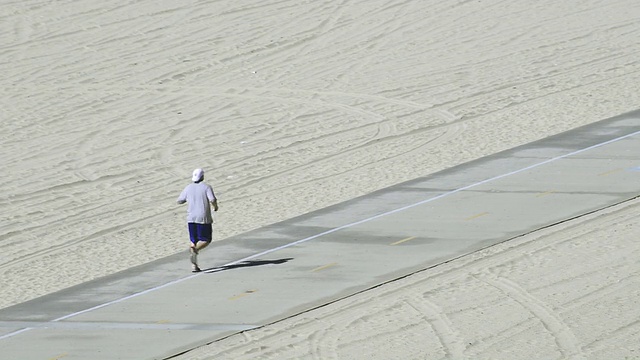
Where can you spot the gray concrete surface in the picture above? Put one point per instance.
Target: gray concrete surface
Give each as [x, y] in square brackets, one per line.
[157, 310]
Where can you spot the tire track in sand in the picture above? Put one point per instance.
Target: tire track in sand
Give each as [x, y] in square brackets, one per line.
[564, 337]
[443, 327]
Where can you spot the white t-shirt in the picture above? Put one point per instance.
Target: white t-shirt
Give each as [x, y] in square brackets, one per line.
[197, 196]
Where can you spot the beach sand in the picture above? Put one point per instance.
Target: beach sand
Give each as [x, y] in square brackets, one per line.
[293, 106]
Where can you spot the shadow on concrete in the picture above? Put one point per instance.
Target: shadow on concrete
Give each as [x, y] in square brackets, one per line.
[248, 263]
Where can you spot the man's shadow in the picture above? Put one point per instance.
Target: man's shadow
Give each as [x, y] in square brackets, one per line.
[247, 263]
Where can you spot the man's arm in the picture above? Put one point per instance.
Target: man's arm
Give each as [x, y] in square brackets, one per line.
[183, 197]
[212, 198]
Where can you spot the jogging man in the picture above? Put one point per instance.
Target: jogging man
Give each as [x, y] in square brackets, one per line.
[199, 197]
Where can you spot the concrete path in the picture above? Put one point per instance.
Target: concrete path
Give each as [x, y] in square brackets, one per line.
[158, 310]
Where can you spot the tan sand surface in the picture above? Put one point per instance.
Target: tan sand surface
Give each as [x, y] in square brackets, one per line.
[292, 106]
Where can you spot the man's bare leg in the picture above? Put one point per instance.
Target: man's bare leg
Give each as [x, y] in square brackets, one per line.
[195, 249]
[201, 245]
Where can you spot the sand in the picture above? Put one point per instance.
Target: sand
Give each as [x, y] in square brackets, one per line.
[293, 106]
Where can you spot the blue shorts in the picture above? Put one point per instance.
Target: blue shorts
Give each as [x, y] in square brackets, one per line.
[199, 232]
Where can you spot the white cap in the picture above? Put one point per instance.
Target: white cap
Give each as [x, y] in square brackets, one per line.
[198, 174]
